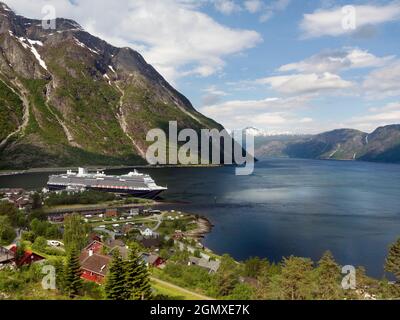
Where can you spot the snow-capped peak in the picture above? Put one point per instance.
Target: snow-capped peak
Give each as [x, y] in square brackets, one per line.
[252, 131]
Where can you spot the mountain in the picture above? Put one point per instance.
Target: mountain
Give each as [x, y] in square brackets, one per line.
[68, 98]
[382, 145]
[252, 131]
[342, 144]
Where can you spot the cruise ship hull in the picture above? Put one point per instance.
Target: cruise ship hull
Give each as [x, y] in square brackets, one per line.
[133, 184]
[145, 194]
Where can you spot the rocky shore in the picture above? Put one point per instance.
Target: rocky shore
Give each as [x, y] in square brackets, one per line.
[204, 226]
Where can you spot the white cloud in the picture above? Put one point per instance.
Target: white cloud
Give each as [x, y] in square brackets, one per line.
[227, 6]
[212, 95]
[253, 6]
[386, 115]
[383, 82]
[329, 22]
[306, 83]
[278, 114]
[392, 106]
[337, 60]
[173, 35]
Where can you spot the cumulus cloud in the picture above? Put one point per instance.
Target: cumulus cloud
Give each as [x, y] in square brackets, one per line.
[312, 83]
[335, 21]
[273, 113]
[212, 95]
[337, 60]
[383, 82]
[173, 35]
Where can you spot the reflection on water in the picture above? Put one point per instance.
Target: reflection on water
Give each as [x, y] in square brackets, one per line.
[286, 207]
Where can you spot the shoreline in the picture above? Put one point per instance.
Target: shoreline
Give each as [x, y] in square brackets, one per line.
[11, 172]
[94, 207]
[204, 227]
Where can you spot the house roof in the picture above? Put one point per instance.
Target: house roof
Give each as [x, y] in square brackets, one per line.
[115, 243]
[150, 243]
[153, 258]
[201, 262]
[6, 255]
[95, 245]
[28, 256]
[96, 263]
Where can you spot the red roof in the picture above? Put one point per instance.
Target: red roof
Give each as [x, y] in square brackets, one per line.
[28, 257]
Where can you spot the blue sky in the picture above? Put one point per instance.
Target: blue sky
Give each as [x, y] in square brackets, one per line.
[278, 65]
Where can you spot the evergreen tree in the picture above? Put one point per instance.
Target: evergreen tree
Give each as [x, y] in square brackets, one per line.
[226, 277]
[36, 201]
[393, 259]
[137, 278]
[296, 278]
[115, 287]
[7, 232]
[328, 278]
[71, 281]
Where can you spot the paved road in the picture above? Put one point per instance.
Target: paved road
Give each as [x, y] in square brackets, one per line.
[200, 296]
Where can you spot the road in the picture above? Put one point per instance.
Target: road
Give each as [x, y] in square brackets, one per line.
[159, 222]
[200, 296]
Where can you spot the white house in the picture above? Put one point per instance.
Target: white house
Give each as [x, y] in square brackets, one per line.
[146, 232]
[134, 212]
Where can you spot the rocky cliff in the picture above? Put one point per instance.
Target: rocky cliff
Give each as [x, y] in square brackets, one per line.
[69, 98]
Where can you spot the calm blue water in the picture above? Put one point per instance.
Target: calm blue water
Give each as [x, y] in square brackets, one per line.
[298, 207]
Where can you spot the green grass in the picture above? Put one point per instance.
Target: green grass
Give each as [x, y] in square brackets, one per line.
[172, 292]
[11, 111]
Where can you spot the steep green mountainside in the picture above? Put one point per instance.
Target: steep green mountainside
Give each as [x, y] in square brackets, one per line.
[68, 98]
[11, 111]
[383, 145]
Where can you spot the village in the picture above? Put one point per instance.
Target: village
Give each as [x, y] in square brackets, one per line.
[39, 229]
[159, 236]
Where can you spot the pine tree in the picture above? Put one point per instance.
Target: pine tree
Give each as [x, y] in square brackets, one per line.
[71, 281]
[227, 276]
[296, 278]
[137, 278]
[115, 286]
[328, 278]
[393, 259]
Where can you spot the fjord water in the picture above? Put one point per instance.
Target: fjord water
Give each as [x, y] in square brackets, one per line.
[287, 207]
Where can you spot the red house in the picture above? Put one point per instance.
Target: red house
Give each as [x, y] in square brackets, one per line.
[94, 264]
[95, 267]
[152, 260]
[111, 213]
[27, 258]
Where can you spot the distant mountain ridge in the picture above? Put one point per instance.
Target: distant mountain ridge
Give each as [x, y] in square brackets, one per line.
[252, 131]
[382, 145]
[68, 98]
